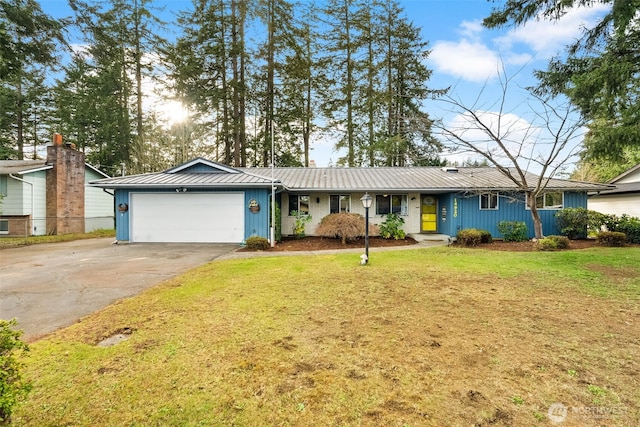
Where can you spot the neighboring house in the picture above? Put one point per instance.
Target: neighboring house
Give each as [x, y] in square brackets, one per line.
[51, 197]
[203, 201]
[623, 199]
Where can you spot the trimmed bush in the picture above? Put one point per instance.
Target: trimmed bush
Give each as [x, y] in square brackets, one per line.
[391, 228]
[344, 226]
[13, 388]
[257, 243]
[469, 237]
[553, 243]
[513, 231]
[612, 238]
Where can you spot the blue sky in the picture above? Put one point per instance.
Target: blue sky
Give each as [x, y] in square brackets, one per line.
[464, 55]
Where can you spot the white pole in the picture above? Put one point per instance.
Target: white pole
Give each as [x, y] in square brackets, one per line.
[273, 191]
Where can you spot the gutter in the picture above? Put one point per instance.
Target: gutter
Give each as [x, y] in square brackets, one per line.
[32, 195]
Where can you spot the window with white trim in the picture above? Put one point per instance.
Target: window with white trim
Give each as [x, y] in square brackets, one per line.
[392, 203]
[489, 201]
[339, 203]
[298, 204]
[550, 200]
[4, 226]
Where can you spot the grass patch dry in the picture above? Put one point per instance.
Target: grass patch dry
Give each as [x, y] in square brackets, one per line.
[13, 242]
[429, 337]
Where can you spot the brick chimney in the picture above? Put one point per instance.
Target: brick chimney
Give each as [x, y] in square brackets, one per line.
[65, 188]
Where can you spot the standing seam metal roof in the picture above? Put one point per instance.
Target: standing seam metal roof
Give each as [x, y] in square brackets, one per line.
[347, 179]
[410, 178]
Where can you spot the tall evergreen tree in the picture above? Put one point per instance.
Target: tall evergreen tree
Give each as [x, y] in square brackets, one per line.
[408, 135]
[342, 46]
[208, 63]
[28, 40]
[105, 81]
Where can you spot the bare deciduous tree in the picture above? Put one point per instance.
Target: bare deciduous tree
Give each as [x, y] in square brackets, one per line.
[529, 152]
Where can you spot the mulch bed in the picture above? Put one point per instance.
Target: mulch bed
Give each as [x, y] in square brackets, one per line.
[314, 243]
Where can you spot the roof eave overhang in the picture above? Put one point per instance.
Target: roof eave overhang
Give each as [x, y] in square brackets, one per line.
[434, 190]
[177, 185]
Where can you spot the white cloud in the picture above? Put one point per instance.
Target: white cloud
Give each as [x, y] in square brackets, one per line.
[465, 59]
[475, 59]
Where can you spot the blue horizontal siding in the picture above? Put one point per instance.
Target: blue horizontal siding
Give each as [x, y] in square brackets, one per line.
[511, 207]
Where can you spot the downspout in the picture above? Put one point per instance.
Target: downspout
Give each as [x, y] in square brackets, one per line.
[114, 208]
[32, 197]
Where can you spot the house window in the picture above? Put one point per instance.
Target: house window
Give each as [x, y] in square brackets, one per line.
[489, 201]
[392, 203]
[339, 203]
[4, 226]
[298, 204]
[3, 185]
[550, 200]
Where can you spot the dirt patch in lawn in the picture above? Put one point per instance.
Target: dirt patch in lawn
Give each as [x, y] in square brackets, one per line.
[616, 275]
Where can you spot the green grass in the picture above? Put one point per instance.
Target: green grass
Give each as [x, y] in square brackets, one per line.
[428, 337]
[12, 242]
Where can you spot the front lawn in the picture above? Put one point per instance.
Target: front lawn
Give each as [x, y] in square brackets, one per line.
[425, 337]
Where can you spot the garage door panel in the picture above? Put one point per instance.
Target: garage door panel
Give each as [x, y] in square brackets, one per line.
[187, 217]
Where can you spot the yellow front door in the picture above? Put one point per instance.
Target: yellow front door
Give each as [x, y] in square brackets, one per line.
[429, 211]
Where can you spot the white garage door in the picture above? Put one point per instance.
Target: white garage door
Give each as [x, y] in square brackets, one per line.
[187, 217]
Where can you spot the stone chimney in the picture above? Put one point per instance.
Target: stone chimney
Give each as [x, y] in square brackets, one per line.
[65, 188]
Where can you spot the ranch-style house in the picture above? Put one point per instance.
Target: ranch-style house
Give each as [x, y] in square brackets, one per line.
[204, 201]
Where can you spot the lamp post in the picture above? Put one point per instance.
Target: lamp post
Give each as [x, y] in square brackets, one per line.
[366, 202]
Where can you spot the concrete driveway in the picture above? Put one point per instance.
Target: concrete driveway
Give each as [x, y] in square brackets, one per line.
[50, 286]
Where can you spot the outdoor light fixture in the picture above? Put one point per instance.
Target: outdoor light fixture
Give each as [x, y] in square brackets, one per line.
[366, 202]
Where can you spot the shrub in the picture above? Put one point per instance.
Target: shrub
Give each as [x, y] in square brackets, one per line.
[630, 226]
[513, 231]
[392, 227]
[13, 389]
[469, 237]
[300, 224]
[612, 238]
[485, 236]
[596, 222]
[572, 222]
[553, 243]
[257, 243]
[344, 226]
[278, 223]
